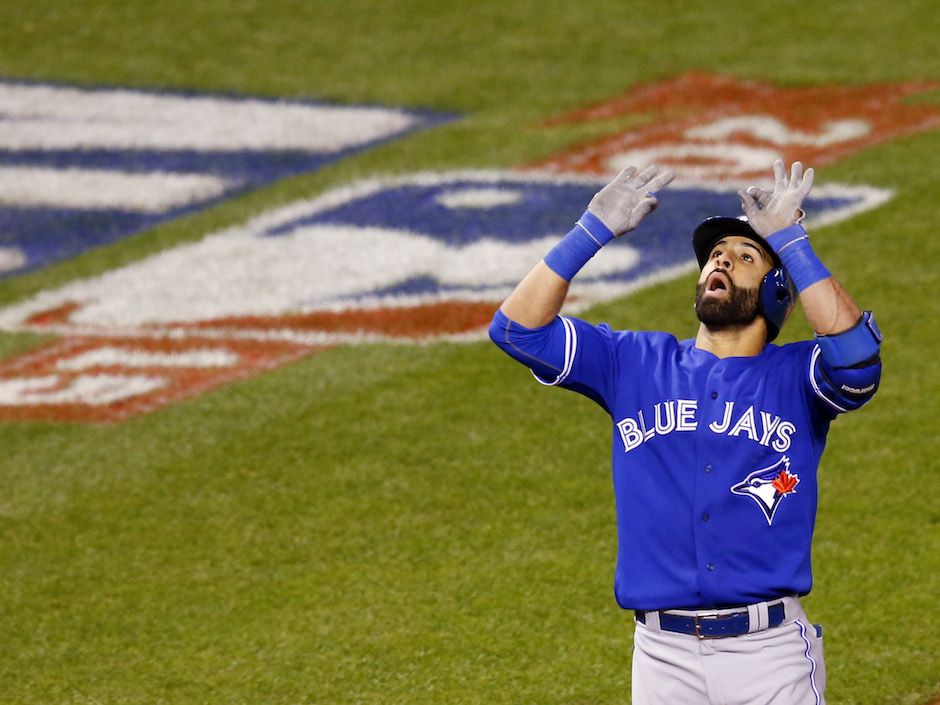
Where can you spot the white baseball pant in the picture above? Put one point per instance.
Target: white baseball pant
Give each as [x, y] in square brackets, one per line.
[778, 666]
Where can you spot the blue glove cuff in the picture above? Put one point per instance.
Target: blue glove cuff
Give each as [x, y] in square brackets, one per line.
[854, 346]
[800, 262]
[584, 240]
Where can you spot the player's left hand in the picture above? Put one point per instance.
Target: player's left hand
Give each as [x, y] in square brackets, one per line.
[771, 211]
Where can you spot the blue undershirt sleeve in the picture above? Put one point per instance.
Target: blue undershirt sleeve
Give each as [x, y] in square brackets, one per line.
[540, 349]
[567, 352]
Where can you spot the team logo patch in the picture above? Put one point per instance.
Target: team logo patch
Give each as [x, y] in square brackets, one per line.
[84, 167]
[768, 486]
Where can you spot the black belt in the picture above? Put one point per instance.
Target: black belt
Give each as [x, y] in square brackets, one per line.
[714, 626]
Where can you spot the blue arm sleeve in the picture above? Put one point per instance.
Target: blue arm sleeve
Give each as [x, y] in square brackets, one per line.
[542, 350]
[567, 352]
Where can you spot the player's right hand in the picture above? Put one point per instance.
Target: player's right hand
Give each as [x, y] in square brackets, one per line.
[623, 203]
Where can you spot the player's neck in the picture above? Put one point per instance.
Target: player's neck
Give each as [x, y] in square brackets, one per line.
[736, 341]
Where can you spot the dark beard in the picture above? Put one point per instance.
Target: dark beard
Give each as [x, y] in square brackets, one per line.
[739, 309]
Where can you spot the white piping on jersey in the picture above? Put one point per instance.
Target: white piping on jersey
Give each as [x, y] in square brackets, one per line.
[571, 347]
[812, 379]
[812, 673]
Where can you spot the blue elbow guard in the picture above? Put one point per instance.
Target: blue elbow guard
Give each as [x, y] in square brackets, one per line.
[854, 346]
[846, 388]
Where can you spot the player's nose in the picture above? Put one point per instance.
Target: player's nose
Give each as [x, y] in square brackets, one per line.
[722, 261]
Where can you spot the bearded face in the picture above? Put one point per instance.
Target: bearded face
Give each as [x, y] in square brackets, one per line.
[739, 307]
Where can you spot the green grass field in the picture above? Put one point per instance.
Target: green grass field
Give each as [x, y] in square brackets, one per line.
[422, 524]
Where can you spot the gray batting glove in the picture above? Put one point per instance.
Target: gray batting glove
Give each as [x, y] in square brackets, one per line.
[771, 211]
[629, 198]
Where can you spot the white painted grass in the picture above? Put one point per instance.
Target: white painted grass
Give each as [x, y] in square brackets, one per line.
[92, 390]
[109, 356]
[57, 117]
[95, 189]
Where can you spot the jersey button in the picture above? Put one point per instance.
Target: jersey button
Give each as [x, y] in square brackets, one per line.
[714, 395]
[710, 567]
[708, 468]
[705, 516]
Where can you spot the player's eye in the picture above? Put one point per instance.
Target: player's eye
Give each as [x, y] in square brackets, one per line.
[747, 258]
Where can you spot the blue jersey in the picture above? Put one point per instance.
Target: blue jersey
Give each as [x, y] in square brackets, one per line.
[714, 460]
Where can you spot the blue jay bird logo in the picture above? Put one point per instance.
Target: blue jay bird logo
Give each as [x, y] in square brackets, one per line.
[769, 486]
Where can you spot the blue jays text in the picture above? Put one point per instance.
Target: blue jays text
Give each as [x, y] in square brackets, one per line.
[681, 415]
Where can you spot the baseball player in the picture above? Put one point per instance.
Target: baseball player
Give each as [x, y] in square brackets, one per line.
[716, 439]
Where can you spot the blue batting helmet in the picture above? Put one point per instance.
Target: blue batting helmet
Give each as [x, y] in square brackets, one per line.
[776, 295]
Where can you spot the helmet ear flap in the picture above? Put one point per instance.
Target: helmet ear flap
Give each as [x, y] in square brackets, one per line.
[776, 298]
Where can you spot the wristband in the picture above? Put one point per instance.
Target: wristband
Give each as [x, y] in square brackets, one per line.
[581, 243]
[859, 343]
[800, 262]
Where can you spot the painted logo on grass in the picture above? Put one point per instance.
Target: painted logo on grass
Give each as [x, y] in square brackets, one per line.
[720, 128]
[396, 259]
[388, 259]
[85, 167]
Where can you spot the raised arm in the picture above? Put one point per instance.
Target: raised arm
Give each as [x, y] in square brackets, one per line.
[616, 209]
[537, 299]
[848, 338]
[775, 215]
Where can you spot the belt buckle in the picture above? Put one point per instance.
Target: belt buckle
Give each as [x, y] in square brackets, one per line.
[698, 624]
